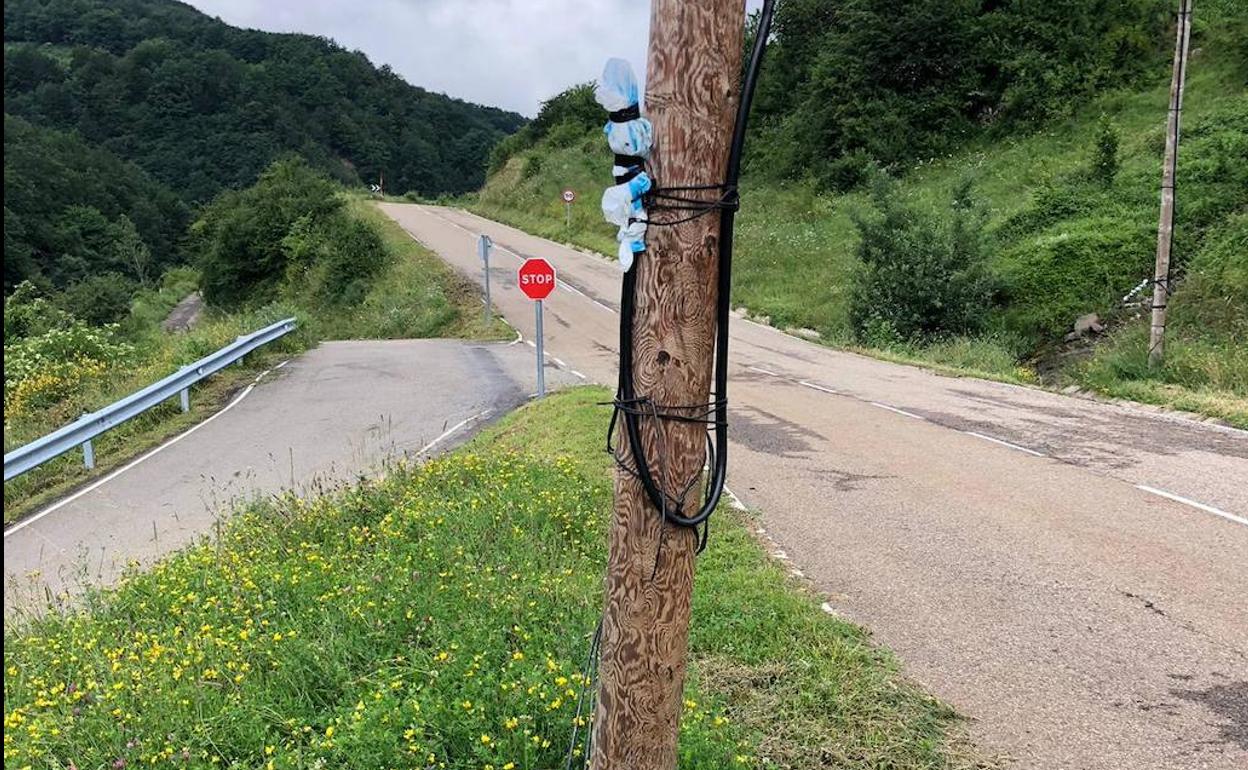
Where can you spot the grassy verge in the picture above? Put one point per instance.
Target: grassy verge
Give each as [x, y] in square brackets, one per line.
[1062, 244]
[416, 296]
[440, 618]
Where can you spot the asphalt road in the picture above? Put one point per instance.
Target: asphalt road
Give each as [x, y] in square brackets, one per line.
[1071, 574]
[324, 418]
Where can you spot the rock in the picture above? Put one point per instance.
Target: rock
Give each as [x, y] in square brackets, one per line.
[1070, 390]
[803, 332]
[1088, 323]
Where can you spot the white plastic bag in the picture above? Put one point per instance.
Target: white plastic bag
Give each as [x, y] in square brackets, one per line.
[622, 202]
[632, 241]
[633, 137]
[618, 87]
[617, 90]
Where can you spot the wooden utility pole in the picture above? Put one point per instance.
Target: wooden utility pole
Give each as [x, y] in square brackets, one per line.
[693, 80]
[1165, 228]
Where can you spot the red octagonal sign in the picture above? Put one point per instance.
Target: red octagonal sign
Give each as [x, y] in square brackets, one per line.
[536, 278]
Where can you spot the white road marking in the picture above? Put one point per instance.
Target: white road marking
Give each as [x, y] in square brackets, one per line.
[530, 343]
[761, 370]
[559, 362]
[735, 501]
[818, 387]
[1193, 503]
[92, 487]
[1004, 443]
[898, 411]
[451, 430]
[279, 366]
[575, 373]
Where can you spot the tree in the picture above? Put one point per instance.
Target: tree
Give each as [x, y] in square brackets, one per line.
[922, 276]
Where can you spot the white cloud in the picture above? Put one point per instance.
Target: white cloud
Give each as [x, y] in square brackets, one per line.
[507, 53]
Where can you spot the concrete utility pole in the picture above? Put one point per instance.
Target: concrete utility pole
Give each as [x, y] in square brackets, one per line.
[1165, 229]
[693, 83]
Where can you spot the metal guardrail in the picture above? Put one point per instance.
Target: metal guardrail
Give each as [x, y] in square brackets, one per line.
[80, 432]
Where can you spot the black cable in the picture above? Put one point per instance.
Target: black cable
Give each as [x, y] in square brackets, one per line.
[626, 395]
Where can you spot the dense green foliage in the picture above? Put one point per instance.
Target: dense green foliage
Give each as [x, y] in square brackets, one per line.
[203, 106]
[1081, 243]
[75, 213]
[290, 228]
[922, 278]
[562, 120]
[863, 81]
[440, 618]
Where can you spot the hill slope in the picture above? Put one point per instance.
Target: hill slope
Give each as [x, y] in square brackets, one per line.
[201, 105]
[1061, 239]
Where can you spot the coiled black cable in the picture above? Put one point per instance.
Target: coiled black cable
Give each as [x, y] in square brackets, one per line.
[627, 401]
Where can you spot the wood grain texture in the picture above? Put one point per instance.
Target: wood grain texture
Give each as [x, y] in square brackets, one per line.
[693, 75]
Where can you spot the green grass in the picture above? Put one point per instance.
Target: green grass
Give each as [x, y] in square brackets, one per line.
[417, 296]
[445, 610]
[1062, 244]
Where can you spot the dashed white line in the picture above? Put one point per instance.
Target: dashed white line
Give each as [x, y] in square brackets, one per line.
[559, 362]
[761, 370]
[902, 412]
[1193, 503]
[575, 373]
[1004, 443]
[816, 386]
[530, 343]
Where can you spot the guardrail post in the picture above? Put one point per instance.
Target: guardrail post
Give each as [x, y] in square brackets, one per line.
[184, 396]
[88, 455]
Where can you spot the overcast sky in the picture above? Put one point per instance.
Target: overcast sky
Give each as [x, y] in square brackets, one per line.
[506, 53]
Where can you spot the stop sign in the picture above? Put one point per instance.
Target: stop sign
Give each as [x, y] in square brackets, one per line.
[536, 278]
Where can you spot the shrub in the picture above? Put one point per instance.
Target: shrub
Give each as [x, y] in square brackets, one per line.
[334, 259]
[847, 172]
[238, 240]
[922, 277]
[41, 369]
[99, 299]
[1105, 156]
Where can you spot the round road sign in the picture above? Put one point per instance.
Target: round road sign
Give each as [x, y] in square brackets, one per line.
[536, 278]
[568, 195]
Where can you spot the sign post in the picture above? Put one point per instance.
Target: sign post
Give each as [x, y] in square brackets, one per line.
[541, 354]
[483, 248]
[536, 278]
[568, 196]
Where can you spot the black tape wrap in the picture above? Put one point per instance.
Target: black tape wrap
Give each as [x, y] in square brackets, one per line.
[631, 112]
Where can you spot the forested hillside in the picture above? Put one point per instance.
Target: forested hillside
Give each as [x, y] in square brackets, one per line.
[75, 214]
[201, 105]
[957, 182]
